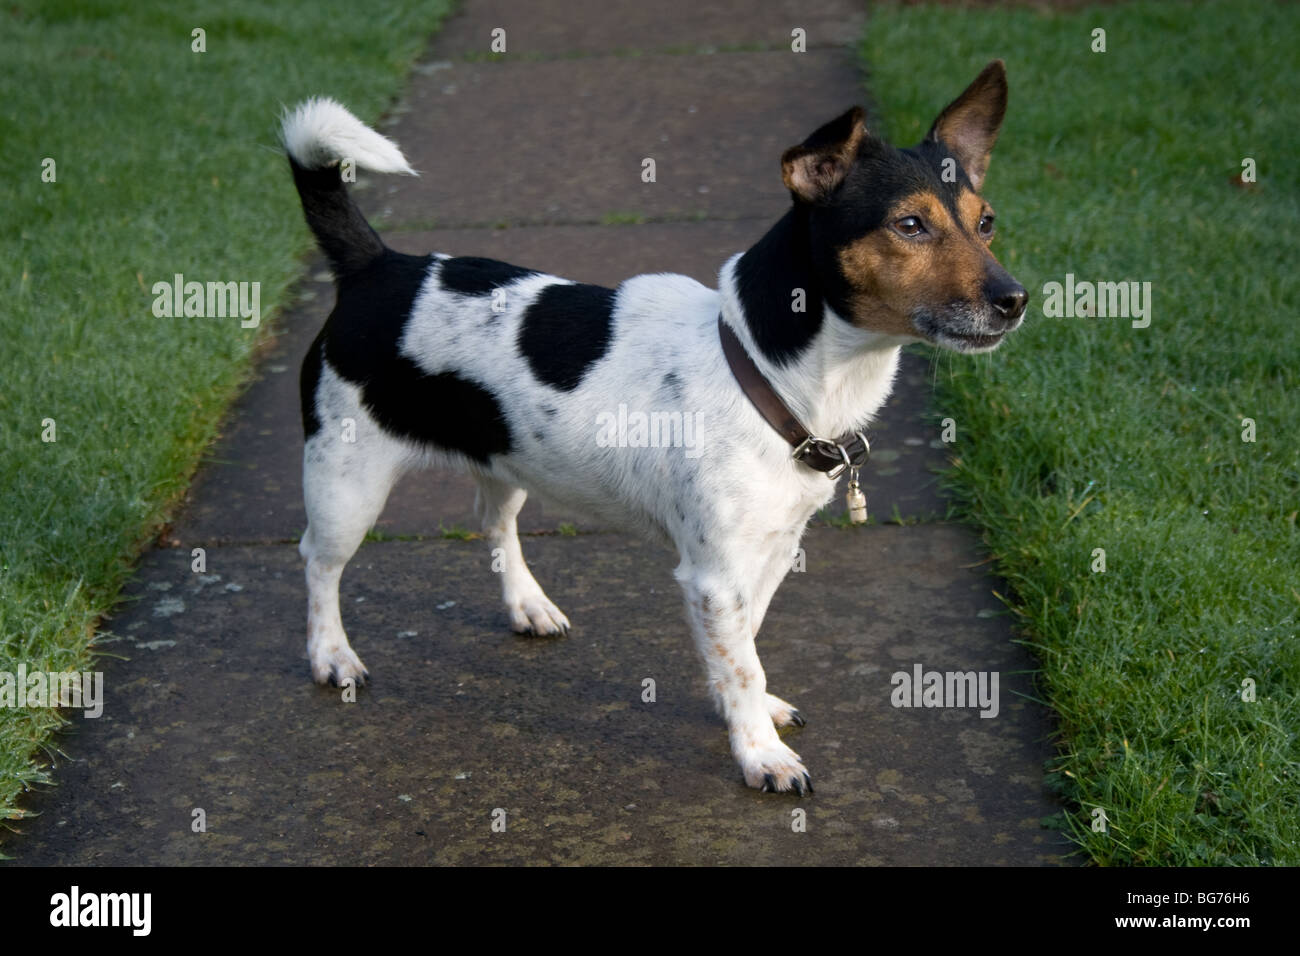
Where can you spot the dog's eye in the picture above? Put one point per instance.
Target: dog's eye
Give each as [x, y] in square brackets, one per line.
[909, 226]
[986, 225]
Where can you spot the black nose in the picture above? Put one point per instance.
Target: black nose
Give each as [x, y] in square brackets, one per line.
[1007, 296]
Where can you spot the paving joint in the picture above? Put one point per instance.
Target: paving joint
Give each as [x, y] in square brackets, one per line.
[625, 53]
[391, 227]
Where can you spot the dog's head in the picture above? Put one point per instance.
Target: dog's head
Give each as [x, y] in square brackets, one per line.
[901, 236]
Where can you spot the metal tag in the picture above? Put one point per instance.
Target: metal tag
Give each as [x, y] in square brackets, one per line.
[856, 500]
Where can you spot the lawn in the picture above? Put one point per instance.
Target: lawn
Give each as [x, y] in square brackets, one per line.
[164, 162]
[1175, 671]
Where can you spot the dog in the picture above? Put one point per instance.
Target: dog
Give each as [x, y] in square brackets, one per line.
[504, 372]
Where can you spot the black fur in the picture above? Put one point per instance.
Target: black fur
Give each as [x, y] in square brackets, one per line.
[565, 331]
[766, 277]
[308, 379]
[340, 229]
[470, 275]
[881, 176]
[673, 386]
[361, 344]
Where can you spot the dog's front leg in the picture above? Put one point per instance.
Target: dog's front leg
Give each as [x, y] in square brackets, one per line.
[720, 616]
[783, 713]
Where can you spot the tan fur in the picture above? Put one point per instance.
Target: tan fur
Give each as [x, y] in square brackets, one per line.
[808, 172]
[969, 125]
[971, 206]
[891, 276]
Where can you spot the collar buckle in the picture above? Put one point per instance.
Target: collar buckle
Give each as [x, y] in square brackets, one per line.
[853, 454]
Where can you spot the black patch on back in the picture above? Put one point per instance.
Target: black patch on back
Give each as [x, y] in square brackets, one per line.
[565, 331]
[766, 277]
[470, 275]
[361, 343]
[308, 379]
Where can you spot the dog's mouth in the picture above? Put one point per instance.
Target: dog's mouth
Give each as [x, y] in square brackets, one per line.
[969, 341]
[962, 329]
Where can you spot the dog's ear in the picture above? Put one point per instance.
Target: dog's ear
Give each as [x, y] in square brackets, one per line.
[814, 169]
[970, 124]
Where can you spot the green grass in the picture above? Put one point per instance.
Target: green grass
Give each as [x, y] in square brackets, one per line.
[622, 219]
[166, 162]
[1087, 433]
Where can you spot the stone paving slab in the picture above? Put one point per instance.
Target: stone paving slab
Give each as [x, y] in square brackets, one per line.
[563, 141]
[212, 707]
[251, 488]
[568, 27]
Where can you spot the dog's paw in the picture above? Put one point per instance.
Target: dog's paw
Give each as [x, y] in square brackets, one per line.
[536, 614]
[333, 663]
[784, 714]
[776, 769]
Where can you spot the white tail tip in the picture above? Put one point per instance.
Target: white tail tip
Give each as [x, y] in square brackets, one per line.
[320, 132]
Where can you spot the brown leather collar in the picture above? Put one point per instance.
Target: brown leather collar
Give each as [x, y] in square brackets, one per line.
[832, 457]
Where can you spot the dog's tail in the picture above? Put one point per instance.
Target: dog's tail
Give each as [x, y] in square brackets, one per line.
[319, 136]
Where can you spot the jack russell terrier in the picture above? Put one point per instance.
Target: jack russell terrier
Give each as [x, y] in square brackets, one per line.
[505, 373]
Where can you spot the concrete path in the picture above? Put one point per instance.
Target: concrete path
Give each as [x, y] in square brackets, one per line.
[534, 157]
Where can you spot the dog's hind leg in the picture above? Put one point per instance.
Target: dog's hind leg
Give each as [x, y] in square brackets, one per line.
[530, 610]
[345, 486]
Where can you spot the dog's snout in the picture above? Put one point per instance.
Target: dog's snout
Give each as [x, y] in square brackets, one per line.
[1007, 296]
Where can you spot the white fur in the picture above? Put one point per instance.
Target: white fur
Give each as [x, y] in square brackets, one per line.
[321, 131]
[734, 512]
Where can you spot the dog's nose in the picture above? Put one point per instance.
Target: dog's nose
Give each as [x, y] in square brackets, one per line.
[1009, 297]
